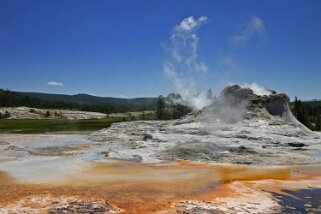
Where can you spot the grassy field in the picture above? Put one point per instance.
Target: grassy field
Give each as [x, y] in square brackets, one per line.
[25, 126]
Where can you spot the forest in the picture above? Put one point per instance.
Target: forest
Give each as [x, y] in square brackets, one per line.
[82, 102]
[308, 113]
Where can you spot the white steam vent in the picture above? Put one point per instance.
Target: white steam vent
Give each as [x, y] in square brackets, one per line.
[257, 89]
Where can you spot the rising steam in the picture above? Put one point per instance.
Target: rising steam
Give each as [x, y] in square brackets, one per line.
[183, 65]
[183, 61]
[257, 89]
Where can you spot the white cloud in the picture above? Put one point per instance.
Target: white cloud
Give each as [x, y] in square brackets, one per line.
[54, 83]
[255, 26]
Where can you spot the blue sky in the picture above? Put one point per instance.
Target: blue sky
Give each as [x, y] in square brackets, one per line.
[118, 48]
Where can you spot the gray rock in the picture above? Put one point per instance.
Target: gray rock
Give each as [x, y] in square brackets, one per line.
[296, 144]
[147, 137]
[3, 143]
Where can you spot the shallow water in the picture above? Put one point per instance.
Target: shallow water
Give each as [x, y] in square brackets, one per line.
[141, 187]
[302, 201]
[316, 154]
[34, 141]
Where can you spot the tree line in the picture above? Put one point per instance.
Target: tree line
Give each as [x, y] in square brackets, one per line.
[308, 113]
[165, 107]
[13, 99]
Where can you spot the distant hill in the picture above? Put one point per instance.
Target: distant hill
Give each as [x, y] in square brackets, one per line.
[84, 102]
[90, 99]
[313, 103]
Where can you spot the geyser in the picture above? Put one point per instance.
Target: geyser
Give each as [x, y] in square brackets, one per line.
[239, 127]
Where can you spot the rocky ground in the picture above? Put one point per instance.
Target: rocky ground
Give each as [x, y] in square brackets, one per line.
[192, 165]
[239, 128]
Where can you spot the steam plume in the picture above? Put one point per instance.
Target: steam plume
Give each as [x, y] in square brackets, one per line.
[183, 61]
[257, 89]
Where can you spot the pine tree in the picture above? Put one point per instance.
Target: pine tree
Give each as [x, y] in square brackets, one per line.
[209, 95]
[161, 107]
[318, 123]
[47, 114]
[301, 113]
